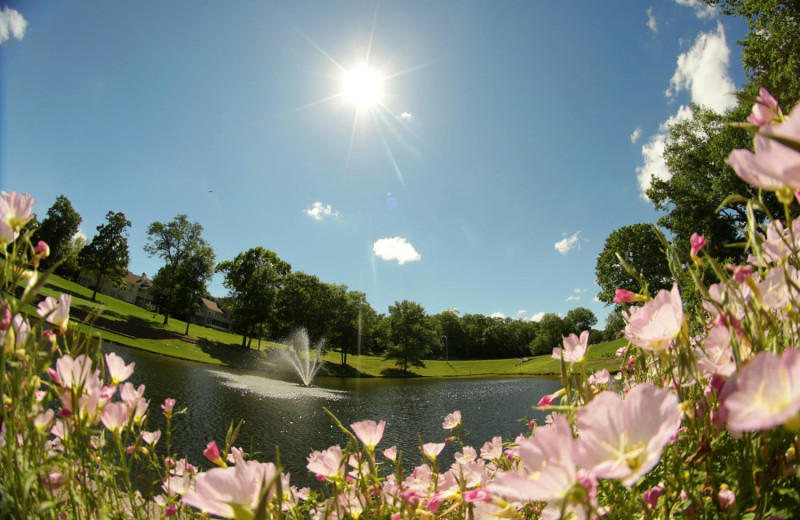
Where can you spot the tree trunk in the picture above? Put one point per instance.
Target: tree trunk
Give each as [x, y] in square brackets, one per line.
[188, 321]
[96, 285]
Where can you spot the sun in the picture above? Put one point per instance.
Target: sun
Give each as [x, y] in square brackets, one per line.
[363, 86]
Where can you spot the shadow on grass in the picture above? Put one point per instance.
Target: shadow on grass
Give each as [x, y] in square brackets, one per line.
[133, 327]
[64, 290]
[396, 372]
[337, 370]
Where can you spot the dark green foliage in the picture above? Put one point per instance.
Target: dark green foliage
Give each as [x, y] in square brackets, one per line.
[174, 243]
[551, 331]
[640, 247]
[254, 279]
[107, 254]
[411, 334]
[57, 229]
[579, 319]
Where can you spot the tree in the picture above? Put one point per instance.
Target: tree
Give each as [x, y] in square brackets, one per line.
[303, 302]
[701, 180]
[107, 255]
[549, 335]
[191, 280]
[253, 279]
[70, 268]
[640, 247]
[171, 242]
[771, 49]
[579, 319]
[410, 333]
[57, 229]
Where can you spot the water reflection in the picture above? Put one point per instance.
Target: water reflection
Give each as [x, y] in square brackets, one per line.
[278, 413]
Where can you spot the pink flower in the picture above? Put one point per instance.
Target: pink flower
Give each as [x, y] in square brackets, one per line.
[477, 495]
[773, 166]
[117, 368]
[727, 498]
[115, 416]
[151, 437]
[212, 453]
[42, 250]
[56, 312]
[623, 439]
[600, 377]
[766, 392]
[492, 450]
[391, 453]
[231, 492]
[623, 296]
[327, 465]
[549, 399]
[369, 432]
[574, 348]
[432, 449]
[15, 211]
[765, 110]
[168, 405]
[697, 242]
[655, 324]
[652, 495]
[452, 420]
[740, 272]
[548, 471]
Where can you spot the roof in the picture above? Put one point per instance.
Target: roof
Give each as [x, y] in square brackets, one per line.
[212, 305]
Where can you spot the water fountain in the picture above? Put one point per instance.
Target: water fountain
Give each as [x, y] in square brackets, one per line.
[299, 355]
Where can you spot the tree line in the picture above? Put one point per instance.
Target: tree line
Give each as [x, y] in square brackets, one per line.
[267, 299]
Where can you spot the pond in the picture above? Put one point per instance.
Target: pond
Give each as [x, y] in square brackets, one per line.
[277, 413]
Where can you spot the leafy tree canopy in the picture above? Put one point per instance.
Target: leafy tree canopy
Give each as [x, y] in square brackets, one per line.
[107, 255]
[410, 333]
[640, 247]
[57, 229]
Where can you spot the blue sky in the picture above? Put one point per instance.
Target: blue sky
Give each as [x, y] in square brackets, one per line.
[511, 137]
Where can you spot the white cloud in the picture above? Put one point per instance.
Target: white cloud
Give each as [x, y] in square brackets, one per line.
[651, 20]
[12, 24]
[79, 235]
[455, 310]
[568, 243]
[579, 291]
[637, 133]
[538, 316]
[396, 248]
[572, 298]
[318, 210]
[703, 72]
[701, 9]
[521, 312]
[406, 115]
[596, 299]
[498, 315]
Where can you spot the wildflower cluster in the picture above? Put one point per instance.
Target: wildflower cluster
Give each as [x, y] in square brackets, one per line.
[701, 421]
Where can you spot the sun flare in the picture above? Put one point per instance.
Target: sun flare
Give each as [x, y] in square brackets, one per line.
[362, 86]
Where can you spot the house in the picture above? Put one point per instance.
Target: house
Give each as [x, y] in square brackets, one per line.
[135, 289]
[210, 315]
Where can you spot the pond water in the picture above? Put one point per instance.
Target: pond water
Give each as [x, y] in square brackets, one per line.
[292, 417]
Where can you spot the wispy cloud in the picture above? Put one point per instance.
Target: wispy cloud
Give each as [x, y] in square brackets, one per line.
[406, 115]
[703, 72]
[651, 20]
[572, 298]
[12, 24]
[569, 243]
[538, 316]
[701, 9]
[396, 248]
[637, 133]
[521, 312]
[498, 315]
[579, 291]
[318, 211]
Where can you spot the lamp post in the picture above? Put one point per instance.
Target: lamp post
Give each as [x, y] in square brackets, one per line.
[446, 350]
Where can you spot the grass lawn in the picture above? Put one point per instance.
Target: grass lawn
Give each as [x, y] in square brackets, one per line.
[132, 326]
